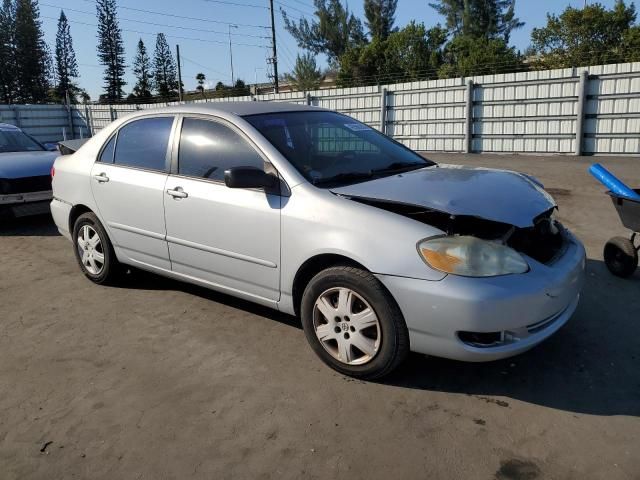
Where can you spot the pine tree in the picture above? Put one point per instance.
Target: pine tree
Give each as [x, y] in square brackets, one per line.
[333, 31]
[142, 71]
[479, 18]
[380, 16]
[306, 75]
[30, 69]
[110, 49]
[7, 51]
[164, 68]
[66, 65]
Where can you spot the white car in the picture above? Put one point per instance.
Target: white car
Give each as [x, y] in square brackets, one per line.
[379, 250]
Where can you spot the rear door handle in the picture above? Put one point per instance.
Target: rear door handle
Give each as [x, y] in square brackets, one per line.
[178, 192]
[101, 177]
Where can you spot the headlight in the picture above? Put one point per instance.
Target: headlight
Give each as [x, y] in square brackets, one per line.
[471, 257]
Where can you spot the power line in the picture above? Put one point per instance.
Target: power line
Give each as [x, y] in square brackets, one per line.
[160, 24]
[206, 69]
[218, 42]
[305, 4]
[236, 4]
[166, 14]
[293, 8]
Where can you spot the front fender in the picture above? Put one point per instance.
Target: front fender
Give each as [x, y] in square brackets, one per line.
[316, 222]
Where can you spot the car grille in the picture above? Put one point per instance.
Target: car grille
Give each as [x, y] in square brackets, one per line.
[25, 185]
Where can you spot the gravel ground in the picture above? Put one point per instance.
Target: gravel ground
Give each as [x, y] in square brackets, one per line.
[160, 380]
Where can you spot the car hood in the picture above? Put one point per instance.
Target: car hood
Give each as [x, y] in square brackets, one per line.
[497, 195]
[26, 164]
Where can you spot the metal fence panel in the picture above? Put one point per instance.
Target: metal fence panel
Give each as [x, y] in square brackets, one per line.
[552, 111]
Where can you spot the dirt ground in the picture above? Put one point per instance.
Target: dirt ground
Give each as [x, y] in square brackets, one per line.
[160, 380]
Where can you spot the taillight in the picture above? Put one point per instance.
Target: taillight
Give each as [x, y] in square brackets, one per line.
[53, 171]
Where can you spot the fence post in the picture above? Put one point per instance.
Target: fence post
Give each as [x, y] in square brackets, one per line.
[16, 113]
[383, 110]
[87, 115]
[468, 128]
[582, 95]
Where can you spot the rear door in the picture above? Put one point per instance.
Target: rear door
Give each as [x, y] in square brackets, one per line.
[128, 183]
[229, 238]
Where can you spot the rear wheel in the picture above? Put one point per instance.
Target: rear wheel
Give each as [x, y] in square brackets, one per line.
[353, 324]
[621, 256]
[94, 251]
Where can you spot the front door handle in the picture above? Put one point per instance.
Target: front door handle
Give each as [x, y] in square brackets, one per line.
[178, 192]
[101, 178]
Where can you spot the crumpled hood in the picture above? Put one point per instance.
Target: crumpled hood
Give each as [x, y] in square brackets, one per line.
[497, 195]
[26, 164]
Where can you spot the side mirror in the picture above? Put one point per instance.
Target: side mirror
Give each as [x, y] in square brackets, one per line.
[248, 177]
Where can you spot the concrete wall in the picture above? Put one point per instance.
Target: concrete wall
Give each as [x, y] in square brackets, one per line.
[586, 110]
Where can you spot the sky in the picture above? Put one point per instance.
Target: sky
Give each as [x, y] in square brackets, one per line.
[204, 36]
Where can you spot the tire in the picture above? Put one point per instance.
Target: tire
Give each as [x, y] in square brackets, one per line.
[101, 266]
[621, 257]
[348, 296]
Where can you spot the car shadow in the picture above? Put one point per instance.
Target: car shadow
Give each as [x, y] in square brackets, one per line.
[591, 366]
[32, 226]
[139, 279]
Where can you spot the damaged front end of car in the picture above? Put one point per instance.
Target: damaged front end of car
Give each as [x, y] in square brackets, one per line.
[543, 241]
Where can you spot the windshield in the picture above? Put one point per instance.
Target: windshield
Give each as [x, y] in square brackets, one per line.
[17, 141]
[331, 149]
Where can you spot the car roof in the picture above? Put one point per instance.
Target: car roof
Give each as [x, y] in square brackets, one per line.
[237, 108]
[8, 126]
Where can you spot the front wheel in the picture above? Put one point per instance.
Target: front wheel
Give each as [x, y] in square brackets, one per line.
[353, 324]
[94, 251]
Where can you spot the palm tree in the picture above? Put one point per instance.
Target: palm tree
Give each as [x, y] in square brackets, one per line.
[201, 78]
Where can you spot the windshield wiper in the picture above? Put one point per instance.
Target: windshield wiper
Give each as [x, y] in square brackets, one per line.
[399, 167]
[344, 177]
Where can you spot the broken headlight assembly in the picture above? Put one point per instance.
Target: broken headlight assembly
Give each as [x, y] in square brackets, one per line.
[471, 256]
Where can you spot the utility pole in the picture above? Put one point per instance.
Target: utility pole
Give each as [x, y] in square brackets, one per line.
[231, 55]
[179, 74]
[275, 51]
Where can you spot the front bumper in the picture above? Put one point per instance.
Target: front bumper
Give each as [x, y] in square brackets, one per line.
[23, 204]
[526, 309]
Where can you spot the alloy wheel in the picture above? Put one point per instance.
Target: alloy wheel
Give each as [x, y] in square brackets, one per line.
[90, 250]
[346, 326]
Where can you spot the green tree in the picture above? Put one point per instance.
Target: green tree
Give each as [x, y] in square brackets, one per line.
[305, 75]
[591, 35]
[165, 70]
[143, 72]
[7, 51]
[31, 62]
[479, 18]
[333, 30]
[110, 50]
[66, 65]
[200, 78]
[380, 17]
[412, 53]
[466, 55]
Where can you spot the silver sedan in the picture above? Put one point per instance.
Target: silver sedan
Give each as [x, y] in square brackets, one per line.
[377, 249]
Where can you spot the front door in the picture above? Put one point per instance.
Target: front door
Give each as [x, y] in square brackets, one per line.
[229, 238]
[128, 182]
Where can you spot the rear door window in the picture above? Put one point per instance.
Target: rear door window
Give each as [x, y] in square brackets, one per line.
[143, 143]
[208, 148]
